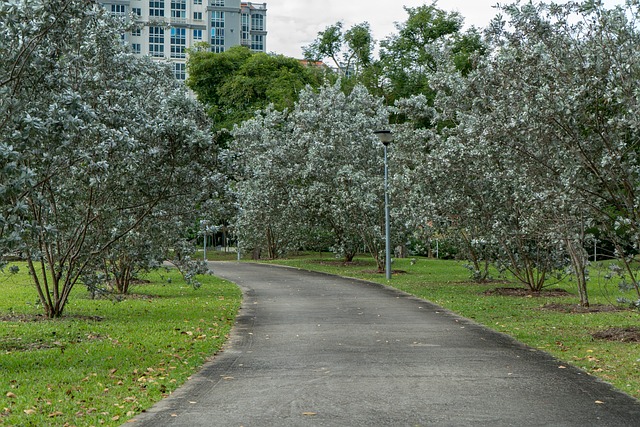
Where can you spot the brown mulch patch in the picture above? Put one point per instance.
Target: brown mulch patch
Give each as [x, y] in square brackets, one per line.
[630, 334]
[382, 272]
[522, 292]
[27, 318]
[338, 263]
[575, 308]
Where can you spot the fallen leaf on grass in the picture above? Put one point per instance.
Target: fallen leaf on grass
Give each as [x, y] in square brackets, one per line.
[11, 395]
[116, 418]
[29, 411]
[55, 414]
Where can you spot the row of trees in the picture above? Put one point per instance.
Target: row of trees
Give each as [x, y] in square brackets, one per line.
[104, 159]
[544, 142]
[520, 142]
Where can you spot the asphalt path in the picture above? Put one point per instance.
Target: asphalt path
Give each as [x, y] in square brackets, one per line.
[311, 349]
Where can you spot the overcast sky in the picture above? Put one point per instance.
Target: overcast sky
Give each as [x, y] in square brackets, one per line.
[292, 24]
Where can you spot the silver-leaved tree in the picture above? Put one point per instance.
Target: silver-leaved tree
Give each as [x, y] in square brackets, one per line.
[537, 152]
[95, 141]
[314, 172]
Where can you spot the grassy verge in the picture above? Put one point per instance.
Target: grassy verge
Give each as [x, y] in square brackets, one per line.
[566, 335]
[106, 361]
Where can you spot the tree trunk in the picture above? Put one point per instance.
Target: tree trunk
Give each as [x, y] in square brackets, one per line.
[579, 265]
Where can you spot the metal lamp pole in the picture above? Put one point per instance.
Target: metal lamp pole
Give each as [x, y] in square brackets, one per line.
[386, 137]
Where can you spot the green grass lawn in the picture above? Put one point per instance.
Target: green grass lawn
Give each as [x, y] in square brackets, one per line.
[106, 361]
[566, 335]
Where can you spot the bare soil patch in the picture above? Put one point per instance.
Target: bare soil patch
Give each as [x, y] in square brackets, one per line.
[630, 334]
[42, 318]
[339, 263]
[382, 272]
[575, 308]
[522, 292]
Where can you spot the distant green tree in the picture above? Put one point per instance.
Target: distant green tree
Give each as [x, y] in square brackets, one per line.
[234, 84]
[409, 58]
[351, 51]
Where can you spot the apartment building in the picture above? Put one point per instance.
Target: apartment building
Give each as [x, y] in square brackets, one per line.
[167, 28]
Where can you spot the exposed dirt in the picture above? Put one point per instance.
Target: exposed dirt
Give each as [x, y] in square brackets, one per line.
[575, 308]
[43, 318]
[382, 272]
[630, 334]
[339, 263]
[522, 292]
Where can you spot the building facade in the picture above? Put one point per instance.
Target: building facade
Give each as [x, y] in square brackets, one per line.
[167, 28]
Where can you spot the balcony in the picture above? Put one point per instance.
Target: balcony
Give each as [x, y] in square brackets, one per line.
[254, 6]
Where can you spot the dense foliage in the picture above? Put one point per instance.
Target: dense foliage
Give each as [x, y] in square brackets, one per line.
[313, 174]
[234, 84]
[99, 147]
[519, 144]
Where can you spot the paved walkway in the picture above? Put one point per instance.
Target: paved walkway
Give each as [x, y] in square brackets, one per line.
[315, 350]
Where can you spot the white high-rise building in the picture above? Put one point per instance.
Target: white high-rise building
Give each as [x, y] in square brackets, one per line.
[167, 28]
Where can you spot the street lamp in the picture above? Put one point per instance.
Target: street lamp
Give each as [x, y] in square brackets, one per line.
[386, 137]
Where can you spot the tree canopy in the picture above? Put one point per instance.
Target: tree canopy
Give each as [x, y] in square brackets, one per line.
[234, 84]
[94, 142]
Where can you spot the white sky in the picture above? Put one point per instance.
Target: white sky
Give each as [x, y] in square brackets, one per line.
[292, 24]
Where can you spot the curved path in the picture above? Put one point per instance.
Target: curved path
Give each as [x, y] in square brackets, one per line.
[316, 350]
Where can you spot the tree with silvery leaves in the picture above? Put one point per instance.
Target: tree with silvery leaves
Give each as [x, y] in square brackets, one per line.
[542, 149]
[105, 138]
[318, 167]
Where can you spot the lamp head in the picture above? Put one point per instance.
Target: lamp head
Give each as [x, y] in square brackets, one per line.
[385, 136]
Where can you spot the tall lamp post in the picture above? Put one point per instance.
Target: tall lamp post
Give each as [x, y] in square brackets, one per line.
[386, 137]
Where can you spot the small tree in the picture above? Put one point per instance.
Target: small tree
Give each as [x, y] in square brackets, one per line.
[318, 166]
[98, 164]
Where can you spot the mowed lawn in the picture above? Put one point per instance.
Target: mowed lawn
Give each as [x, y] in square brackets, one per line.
[106, 360]
[551, 322]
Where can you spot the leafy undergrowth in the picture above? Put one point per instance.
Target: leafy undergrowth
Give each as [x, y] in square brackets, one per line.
[105, 361]
[595, 340]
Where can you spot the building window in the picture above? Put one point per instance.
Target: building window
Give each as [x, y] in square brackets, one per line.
[179, 10]
[136, 11]
[197, 16]
[217, 3]
[217, 31]
[245, 38]
[257, 22]
[156, 42]
[156, 8]
[197, 35]
[136, 32]
[180, 70]
[178, 42]
[135, 47]
[118, 9]
[257, 43]
[197, 1]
